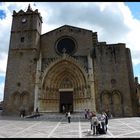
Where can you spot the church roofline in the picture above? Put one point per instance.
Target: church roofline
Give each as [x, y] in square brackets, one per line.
[66, 26]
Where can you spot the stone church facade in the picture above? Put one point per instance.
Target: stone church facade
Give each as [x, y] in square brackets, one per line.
[67, 67]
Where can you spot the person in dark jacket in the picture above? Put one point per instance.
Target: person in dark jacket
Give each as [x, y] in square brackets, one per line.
[106, 120]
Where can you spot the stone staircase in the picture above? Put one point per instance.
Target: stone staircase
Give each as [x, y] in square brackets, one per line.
[53, 116]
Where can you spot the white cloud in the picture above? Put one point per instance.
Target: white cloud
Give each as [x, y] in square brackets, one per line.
[1, 91]
[113, 21]
[3, 62]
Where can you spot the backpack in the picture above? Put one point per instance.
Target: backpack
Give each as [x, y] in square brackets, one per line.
[95, 123]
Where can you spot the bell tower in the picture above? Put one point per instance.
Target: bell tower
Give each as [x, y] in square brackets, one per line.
[26, 29]
[24, 49]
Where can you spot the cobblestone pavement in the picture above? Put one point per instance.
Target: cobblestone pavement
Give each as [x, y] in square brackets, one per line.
[58, 127]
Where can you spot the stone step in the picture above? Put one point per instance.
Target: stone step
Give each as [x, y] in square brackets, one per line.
[58, 116]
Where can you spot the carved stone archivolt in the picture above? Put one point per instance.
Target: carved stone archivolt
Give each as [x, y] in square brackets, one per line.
[63, 73]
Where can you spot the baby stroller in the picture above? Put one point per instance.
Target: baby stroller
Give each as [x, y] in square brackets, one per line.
[101, 130]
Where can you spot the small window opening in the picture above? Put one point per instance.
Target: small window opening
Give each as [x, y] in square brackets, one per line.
[22, 39]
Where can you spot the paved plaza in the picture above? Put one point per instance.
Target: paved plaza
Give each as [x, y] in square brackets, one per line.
[56, 126]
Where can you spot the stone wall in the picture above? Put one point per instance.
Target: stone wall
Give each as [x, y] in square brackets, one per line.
[111, 74]
[20, 79]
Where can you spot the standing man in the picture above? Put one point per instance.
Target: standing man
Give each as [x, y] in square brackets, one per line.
[69, 117]
[106, 120]
[103, 118]
[36, 111]
[85, 114]
[63, 108]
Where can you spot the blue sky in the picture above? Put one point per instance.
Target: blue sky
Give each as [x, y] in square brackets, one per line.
[114, 22]
[2, 78]
[135, 9]
[2, 14]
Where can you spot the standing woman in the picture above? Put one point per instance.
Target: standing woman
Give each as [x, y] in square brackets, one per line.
[94, 124]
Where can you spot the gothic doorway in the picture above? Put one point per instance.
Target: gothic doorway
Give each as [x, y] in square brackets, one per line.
[63, 84]
[66, 101]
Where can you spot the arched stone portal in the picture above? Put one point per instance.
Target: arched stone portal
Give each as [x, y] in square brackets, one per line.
[20, 100]
[61, 75]
[112, 102]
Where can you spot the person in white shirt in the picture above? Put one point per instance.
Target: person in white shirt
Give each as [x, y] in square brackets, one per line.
[103, 118]
[94, 123]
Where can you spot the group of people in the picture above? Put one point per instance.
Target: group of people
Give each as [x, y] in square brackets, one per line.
[98, 123]
[23, 113]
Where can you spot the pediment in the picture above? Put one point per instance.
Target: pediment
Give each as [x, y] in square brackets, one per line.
[68, 28]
